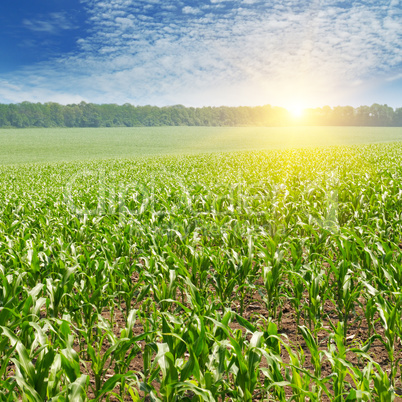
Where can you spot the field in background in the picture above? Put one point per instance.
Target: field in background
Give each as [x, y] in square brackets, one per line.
[57, 144]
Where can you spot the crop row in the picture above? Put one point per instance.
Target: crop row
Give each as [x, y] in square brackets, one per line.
[238, 277]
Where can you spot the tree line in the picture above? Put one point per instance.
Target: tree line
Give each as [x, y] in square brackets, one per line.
[27, 114]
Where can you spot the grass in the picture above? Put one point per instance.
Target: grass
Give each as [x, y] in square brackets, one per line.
[53, 145]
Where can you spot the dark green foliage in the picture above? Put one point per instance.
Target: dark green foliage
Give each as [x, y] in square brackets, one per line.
[51, 114]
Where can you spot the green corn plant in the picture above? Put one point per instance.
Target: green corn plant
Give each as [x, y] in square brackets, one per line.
[348, 290]
[370, 308]
[272, 275]
[222, 281]
[390, 318]
[269, 354]
[298, 378]
[10, 289]
[181, 338]
[7, 390]
[200, 267]
[336, 355]
[149, 317]
[92, 286]
[383, 388]
[30, 309]
[58, 291]
[274, 380]
[191, 264]
[316, 297]
[171, 388]
[40, 381]
[128, 290]
[240, 268]
[85, 317]
[208, 349]
[244, 364]
[316, 357]
[196, 301]
[119, 354]
[123, 350]
[192, 358]
[68, 360]
[295, 293]
[207, 342]
[163, 288]
[7, 353]
[362, 378]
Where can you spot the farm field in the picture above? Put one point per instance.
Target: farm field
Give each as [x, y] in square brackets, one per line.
[259, 275]
[70, 144]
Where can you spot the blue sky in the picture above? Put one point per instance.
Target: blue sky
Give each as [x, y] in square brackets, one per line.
[208, 52]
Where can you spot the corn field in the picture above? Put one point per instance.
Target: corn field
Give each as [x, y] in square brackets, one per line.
[245, 276]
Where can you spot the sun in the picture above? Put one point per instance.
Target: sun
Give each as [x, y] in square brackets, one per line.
[296, 111]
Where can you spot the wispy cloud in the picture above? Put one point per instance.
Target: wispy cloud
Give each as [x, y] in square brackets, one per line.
[49, 24]
[224, 51]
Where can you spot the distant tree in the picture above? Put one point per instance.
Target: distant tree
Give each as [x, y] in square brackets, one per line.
[4, 122]
[84, 114]
[363, 116]
[72, 115]
[90, 115]
[397, 120]
[55, 114]
[381, 115]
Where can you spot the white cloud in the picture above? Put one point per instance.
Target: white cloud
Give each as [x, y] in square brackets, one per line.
[191, 10]
[223, 52]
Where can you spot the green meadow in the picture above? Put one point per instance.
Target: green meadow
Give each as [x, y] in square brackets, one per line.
[58, 144]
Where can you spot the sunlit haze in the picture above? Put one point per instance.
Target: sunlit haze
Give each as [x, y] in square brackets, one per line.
[296, 110]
